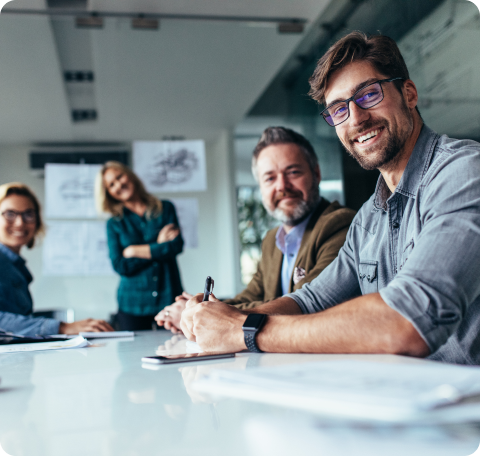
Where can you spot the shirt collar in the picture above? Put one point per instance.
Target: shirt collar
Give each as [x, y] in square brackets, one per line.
[295, 234]
[416, 168]
[10, 254]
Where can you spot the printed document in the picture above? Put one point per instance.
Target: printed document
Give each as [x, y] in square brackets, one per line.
[360, 389]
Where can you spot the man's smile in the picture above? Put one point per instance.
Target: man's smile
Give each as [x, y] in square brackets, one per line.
[367, 138]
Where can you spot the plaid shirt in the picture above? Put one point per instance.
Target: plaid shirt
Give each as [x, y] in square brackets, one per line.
[146, 286]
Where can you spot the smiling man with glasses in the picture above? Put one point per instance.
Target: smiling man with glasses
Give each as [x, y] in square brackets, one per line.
[407, 280]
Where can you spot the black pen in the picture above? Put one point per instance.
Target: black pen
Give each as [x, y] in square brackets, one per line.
[208, 288]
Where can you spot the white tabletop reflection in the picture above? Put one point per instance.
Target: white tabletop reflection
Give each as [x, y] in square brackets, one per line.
[101, 401]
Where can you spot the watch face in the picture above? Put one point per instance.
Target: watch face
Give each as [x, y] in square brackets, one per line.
[254, 321]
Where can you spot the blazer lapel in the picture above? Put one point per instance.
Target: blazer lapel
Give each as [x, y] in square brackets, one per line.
[305, 244]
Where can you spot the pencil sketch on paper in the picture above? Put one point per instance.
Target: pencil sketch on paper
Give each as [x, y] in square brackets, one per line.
[69, 190]
[76, 248]
[177, 167]
[170, 166]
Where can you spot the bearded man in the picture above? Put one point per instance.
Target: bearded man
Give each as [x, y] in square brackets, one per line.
[312, 232]
[407, 280]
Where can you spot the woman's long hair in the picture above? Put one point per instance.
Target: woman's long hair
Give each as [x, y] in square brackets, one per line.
[106, 203]
[17, 188]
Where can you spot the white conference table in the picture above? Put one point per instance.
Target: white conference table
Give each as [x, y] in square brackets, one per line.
[101, 401]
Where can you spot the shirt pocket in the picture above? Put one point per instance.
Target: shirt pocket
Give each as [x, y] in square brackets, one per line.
[368, 276]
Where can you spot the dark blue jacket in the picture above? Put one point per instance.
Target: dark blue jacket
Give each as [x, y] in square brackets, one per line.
[15, 300]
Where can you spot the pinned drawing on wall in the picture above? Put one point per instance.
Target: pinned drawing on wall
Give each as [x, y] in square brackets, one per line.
[187, 213]
[69, 191]
[171, 166]
[76, 249]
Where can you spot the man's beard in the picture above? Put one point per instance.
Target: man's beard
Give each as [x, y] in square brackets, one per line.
[300, 212]
[389, 155]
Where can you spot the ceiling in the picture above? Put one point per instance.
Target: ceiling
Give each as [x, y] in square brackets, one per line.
[189, 78]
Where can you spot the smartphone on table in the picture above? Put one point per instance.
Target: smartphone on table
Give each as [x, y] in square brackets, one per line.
[186, 357]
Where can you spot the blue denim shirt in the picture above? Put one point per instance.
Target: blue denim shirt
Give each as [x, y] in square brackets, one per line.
[420, 248]
[15, 300]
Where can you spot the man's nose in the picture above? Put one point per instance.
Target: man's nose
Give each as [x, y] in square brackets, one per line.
[357, 115]
[282, 182]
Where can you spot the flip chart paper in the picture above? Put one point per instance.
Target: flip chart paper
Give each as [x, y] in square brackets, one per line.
[69, 191]
[76, 248]
[187, 213]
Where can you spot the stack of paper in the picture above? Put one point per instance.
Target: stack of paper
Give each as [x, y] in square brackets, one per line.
[354, 389]
[77, 342]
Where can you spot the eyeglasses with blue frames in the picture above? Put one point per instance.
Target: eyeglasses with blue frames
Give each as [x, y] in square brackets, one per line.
[365, 98]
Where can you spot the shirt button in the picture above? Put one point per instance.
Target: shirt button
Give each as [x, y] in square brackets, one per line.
[154, 294]
[155, 279]
[395, 225]
[290, 255]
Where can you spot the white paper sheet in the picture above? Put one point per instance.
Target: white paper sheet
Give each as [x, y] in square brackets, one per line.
[171, 166]
[76, 248]
[379, 391]
[77, 342]
[187, 213]
[69, 191]
[107, 335]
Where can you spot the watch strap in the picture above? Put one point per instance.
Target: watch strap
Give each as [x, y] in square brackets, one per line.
[250, 342]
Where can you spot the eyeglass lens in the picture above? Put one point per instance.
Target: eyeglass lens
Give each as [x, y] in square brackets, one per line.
[29, 216]
[365, 98]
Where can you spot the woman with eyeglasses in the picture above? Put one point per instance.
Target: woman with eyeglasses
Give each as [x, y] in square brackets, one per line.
[143, 240]
[20, 224]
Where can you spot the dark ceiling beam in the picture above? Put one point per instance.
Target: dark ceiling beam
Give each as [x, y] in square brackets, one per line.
[56, 12]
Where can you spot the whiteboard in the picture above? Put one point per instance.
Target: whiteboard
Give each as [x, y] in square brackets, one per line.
[69, 191]
[187, 213]
[76, 249]
[171, 166]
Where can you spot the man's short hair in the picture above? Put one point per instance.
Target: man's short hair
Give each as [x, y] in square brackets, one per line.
[282, 135]
[380, 51]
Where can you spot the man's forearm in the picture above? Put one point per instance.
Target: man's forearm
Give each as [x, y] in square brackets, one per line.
[280, 306]
[363, 325]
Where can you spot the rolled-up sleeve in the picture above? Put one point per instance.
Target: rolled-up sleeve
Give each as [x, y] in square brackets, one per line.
[336, 284]
[28, 325]
[440, 279]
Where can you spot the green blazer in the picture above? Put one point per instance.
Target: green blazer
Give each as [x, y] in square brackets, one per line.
[146, 286]
[324, 236]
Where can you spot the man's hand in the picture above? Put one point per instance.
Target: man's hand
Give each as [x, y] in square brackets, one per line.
[170, 316]
[214, 325]
[168, 233]
[88, 325]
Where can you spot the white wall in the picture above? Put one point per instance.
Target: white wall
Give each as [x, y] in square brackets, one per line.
[217, 253]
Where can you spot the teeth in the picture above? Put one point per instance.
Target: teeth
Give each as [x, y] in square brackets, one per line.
[368, 136]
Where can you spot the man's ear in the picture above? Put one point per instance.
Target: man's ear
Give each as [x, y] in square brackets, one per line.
[317, 173]
[410, 93]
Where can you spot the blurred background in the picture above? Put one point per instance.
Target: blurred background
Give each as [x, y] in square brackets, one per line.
[84, 78]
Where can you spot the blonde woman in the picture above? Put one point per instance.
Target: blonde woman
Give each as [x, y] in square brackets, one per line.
[143, 240]
[20, 224]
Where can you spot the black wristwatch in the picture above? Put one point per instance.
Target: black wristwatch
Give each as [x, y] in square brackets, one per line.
[252, 325]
